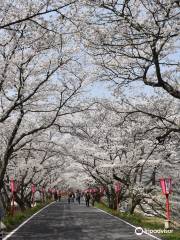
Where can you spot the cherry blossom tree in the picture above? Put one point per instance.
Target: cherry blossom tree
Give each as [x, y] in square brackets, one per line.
[52, 134]
[40, 79]
[38, 12]
[34, 163]
[134, 42]
[116, 145]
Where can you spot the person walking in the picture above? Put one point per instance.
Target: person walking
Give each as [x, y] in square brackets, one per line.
[73, 196]
[69, 197]
[59, 195]
[87, 199]
[78, 197]
[55, 195]
[93, 198]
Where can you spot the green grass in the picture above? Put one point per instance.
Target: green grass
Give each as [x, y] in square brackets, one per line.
[12, 222]
[172, 236]
[140, 220]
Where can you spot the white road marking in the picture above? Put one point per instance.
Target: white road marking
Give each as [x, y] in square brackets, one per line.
[15, 230]
[129, 224]
[22, 224]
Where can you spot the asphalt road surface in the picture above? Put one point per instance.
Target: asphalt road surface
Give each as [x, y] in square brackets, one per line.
[63, 221]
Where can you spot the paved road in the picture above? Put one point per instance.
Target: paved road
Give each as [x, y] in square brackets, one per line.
[61, 221]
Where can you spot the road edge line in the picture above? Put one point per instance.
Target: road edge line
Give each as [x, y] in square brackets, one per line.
[27, 220]
[128, 223]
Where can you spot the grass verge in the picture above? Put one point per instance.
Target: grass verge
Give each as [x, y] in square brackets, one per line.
[12, 222]
[140, 220]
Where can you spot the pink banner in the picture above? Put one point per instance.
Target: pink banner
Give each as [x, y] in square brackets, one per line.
[166, 185]
[12, 185]
[117, 187]
[163, 187]
[33, 189]
[102, 190]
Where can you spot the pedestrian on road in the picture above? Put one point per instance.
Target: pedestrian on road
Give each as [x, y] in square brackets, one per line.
[69, 197]
[87, 199]
[55, 195]
[73, 196]
[59, 195]
[78, 197]
[93, 198]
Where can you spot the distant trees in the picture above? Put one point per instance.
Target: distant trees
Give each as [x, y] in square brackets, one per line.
[116, 145]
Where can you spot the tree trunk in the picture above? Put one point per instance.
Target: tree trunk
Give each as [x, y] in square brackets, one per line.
[20, 202]
[132, 205]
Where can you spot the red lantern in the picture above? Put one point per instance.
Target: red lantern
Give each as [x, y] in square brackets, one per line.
[12, 185]
[166, 185]
[33, 189]
[117, 187]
